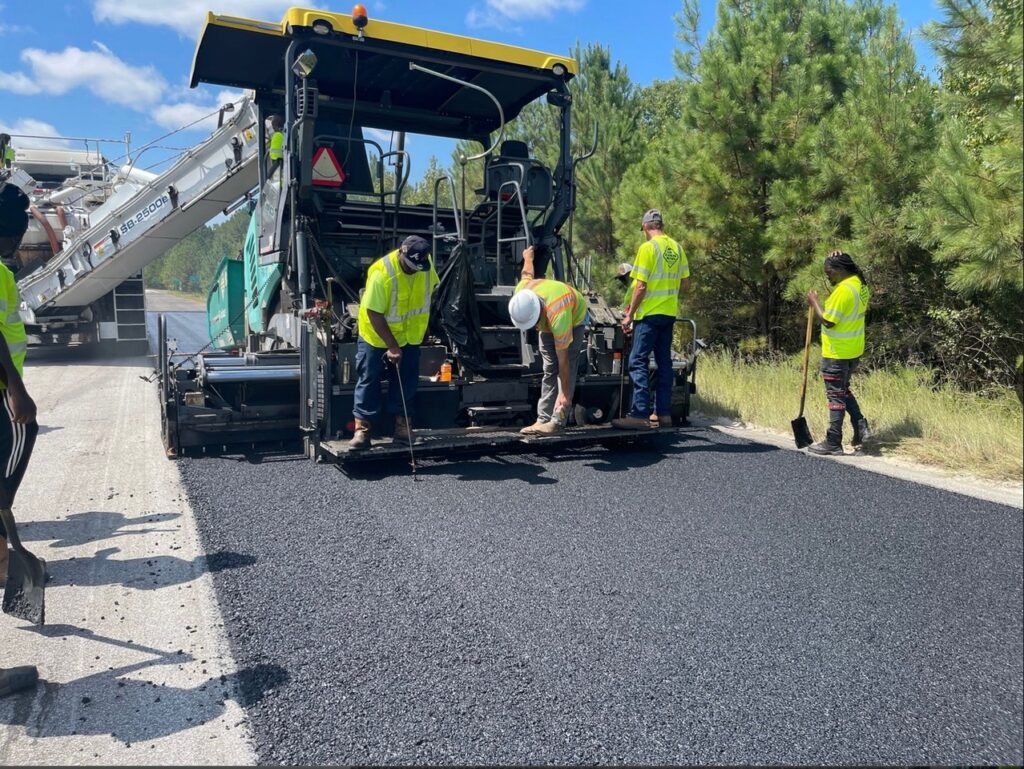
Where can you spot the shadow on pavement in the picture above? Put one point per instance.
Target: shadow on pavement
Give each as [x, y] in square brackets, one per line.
[120, 703]
[497, 468]
[82, 528]
[743, 447]
[141, 573]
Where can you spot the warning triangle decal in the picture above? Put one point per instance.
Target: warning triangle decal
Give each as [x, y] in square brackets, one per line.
[326, 169]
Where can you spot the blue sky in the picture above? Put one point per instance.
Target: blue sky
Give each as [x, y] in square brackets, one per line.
[99, 68]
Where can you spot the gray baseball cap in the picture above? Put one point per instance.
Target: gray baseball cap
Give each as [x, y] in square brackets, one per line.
[653, 216]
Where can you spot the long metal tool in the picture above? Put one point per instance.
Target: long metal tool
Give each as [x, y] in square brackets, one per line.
[801, 430]
[627, 345]
[24, 594]
[405, 411]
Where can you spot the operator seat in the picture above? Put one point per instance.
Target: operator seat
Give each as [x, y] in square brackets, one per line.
[513, 163]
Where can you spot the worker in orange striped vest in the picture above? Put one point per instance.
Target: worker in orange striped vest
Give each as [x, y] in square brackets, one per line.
[559, 312]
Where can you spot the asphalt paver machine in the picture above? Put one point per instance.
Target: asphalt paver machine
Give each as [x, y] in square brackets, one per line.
[283, 318]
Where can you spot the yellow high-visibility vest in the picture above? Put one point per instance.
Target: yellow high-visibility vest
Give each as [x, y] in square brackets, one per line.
[663, 275]
[845, 307]
[11, 325]
[403, 299]
[276, 145]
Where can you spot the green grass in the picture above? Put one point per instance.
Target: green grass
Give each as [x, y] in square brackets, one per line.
[911, 417]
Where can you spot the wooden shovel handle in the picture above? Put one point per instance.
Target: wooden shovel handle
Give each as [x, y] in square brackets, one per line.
[807, 357]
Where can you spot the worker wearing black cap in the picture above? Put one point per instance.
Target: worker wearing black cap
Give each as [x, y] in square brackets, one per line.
[393, 314]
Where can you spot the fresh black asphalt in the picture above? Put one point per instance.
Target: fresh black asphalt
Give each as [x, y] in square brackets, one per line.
[706, 600]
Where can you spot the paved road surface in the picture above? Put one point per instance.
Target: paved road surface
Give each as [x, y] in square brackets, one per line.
[720, 601]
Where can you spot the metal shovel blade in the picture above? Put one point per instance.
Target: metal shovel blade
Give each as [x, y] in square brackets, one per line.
[802, 432]
[24, 596]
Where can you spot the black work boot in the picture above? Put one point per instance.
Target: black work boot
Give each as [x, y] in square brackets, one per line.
[861, 432]
[17, 679]
[361, 436]
[825, 447]
[833, 443]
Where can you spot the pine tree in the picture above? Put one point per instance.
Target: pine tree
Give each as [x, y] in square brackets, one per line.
[739, 162]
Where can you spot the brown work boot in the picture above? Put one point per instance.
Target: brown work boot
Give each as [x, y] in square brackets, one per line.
[533, 429]
[361, 436]
[632, 423]
[403, 431]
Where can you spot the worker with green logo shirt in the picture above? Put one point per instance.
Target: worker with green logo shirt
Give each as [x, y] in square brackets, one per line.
[842, 344]
[660, 270]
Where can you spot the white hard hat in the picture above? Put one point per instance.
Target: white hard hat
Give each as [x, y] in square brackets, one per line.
[524, 307]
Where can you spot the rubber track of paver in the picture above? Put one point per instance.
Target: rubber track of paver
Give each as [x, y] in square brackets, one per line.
[725, 602]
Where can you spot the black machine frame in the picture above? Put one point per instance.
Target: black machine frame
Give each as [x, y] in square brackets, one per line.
[295, 376]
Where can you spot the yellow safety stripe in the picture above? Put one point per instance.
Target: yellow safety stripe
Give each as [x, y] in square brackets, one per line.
[393, 316]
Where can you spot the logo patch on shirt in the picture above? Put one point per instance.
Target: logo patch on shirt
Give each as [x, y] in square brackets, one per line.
[671, 257]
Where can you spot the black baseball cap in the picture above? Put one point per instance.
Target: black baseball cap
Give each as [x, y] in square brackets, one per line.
[416, 251]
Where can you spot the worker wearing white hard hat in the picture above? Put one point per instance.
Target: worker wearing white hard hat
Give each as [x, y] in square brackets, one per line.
[558, 311]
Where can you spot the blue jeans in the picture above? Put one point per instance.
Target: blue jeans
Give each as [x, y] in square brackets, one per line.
[651, 334]
[370, 368]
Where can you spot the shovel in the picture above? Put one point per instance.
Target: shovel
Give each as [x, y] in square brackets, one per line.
[26, 578]
[801, 431]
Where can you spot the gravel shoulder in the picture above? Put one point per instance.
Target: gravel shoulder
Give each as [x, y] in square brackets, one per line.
[133, 660]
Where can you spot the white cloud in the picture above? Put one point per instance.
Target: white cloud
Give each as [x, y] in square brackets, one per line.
[187, 16]
[379, 135]
[177, 114]
[12, 29]
[18, 82]
[40, 131]
[498, 13]
[99, 71]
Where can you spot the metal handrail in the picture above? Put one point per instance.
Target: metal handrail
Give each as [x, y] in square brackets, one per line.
[455, 207]
[517, 195]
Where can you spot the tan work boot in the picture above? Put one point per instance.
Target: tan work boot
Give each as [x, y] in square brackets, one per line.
[632, 423]
[549, 428]
[361, 436]
[403, 431]
[533, 429]
[661, 420]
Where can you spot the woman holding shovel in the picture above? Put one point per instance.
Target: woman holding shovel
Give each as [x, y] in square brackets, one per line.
[842, 344]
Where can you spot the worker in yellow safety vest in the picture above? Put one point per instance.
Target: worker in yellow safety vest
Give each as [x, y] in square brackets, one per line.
[559, 312]
[18, 430]
[275, 151]
[7, 153]
[393, 315]
[842, 345]
[660, 269]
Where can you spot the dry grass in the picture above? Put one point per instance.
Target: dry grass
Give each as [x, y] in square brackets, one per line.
[911, 417]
